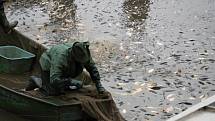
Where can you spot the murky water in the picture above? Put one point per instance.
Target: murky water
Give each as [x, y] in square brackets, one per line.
[155, 56]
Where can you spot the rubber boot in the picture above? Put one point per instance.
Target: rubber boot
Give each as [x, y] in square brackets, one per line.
[4, 22]
[34, 82]
[99, 87]
[76, 83]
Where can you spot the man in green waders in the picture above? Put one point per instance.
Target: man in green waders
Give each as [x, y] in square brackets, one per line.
[3, 19]
[62, 68]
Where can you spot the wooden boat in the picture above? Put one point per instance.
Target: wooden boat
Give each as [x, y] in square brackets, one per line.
[33, 105]
[203, 111]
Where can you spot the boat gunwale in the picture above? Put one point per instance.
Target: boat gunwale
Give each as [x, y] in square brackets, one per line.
[35, 98]
[48, 102]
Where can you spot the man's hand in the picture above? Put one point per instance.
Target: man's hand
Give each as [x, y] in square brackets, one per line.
[101, 90]
[99, 87]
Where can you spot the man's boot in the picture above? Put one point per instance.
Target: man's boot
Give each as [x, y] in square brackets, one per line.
[34, 82]
[99, 87]
[78, 84]
[4, 22]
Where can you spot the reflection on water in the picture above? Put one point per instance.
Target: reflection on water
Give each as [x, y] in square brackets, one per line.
[137, 10]
[58, 10]
[62, 11]
[135, 13]
[58, 20]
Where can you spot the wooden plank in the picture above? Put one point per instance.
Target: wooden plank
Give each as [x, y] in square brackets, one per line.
[204, 114]
[193, 109]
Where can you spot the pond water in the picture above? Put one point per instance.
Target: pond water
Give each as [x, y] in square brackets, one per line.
[156, 57]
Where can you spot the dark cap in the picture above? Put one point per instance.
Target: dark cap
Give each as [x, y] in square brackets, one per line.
[80, 51]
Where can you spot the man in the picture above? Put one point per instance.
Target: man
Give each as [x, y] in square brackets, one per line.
[62, 68]
[3, 19]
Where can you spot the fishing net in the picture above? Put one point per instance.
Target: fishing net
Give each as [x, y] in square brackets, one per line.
[99, 107]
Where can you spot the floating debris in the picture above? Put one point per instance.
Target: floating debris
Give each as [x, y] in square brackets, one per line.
[153, 111]
[157, 88]
[150, 70]
[129, 33]
[170, 97]
[159, 43]
[124, 111]
[168, 109]
[192, 98]
[186, 103]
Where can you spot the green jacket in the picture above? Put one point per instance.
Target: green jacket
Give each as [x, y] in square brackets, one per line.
[61, 65]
